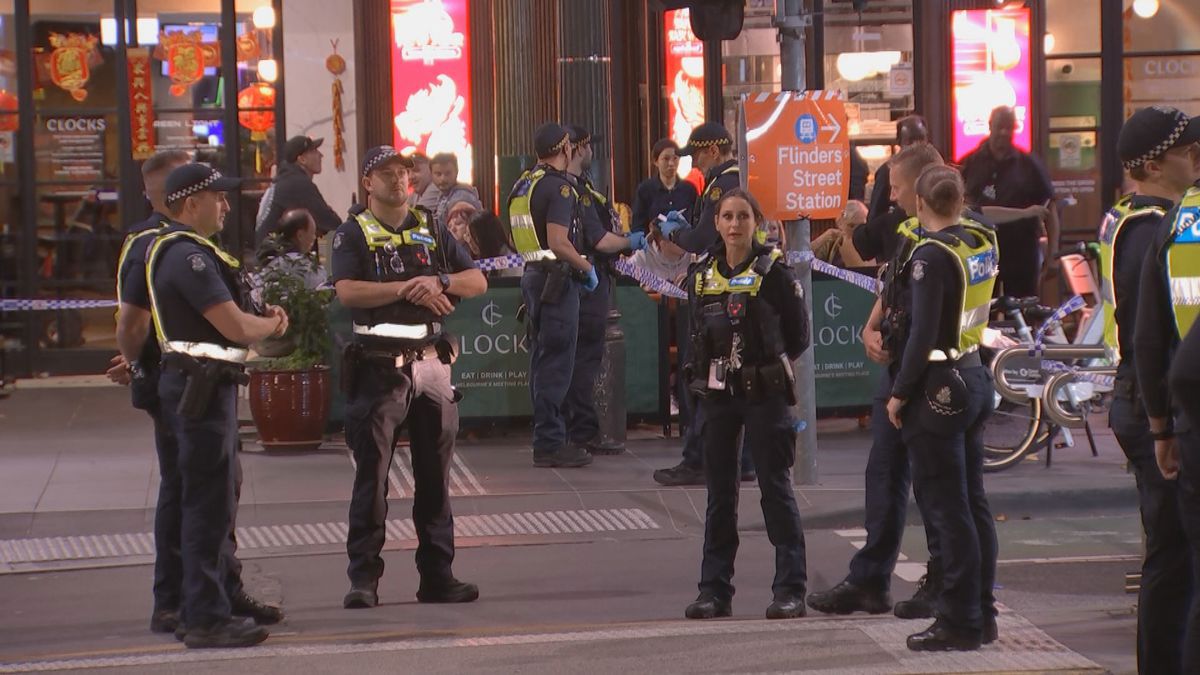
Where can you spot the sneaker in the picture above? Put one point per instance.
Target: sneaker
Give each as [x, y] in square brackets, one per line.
[236, 631]
[920, 606]
[708, 606]
[847, 598]
[680, 474]
[450, 591]
[568, 457]
[263, 614]
[361, 596]
[164, 621]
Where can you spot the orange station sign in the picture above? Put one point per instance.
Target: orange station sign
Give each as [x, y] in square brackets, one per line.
[798, 153]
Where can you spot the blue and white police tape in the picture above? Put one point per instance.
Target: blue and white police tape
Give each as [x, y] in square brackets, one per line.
[1074, 304]
[649, 280]
[503, 262]
[1095, 378]
[40, 305]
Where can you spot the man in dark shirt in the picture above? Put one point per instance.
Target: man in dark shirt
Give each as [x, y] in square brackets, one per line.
[664, 191]
[1164, 302]
[294, 189]
[878, 238]
[1012, 189]
[1127, 234]
[197, 303]
[400, 273]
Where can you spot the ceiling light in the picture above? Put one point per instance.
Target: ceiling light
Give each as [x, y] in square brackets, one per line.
[264, 17]
[1145, 8]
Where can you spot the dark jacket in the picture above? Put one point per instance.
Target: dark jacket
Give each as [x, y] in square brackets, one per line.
[294, 189]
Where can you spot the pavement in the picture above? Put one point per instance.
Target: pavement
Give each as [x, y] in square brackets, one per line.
[577, 565]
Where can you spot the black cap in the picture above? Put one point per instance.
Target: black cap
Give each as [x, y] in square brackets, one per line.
[380, 155]
[706, 135]
[579, 135]
[548, 139]
[195, 177]
[298, 145]
[1152, 131]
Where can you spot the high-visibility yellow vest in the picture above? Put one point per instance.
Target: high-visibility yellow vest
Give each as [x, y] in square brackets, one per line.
[128, 245]
[978, 267]
[1183, 262]
[520, 216]
[712, 282]
[378, 235]
[200, 350]
[1110, 230]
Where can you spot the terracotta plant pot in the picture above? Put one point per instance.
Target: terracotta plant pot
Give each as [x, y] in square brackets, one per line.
[290, 407]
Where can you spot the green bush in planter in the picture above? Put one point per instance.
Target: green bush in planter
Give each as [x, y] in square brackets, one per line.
[289, 285]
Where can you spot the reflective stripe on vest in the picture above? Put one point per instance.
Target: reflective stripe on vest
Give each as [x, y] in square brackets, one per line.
[397, 331]
[379, 236]
[520, 218]
[201, 349]
[978, 267]
[1183, 262]
[712, 282]
[207, 350]
[1110, 229]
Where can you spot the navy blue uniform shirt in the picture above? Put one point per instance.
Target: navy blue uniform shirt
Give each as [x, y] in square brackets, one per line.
[188, 280]
[1137, 237]
[703, 233]
[1155, 335]
[554, 200]
[654, 198]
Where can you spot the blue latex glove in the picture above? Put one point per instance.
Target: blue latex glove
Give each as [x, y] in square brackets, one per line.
[674, 221]
[592, 282]
[637, 241]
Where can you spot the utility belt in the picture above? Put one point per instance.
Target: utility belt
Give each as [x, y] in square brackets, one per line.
[961, 361]
[204, 375]
[754, 383]
[559, 274]
[359, 357]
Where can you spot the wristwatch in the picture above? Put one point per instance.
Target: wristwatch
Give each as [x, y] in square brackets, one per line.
[444, 280]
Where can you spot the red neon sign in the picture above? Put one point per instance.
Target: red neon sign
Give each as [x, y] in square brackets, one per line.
[431, 79]
[683, 56]
[992, 68]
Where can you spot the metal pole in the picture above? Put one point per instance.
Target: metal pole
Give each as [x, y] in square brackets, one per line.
[791, 56]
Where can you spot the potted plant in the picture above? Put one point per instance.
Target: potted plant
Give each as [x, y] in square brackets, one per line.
[290, 389]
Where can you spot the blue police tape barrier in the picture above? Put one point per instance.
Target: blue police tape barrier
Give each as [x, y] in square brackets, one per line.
[1074, 304]
[39, 305]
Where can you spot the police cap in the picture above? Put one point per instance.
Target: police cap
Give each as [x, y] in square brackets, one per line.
[549, 139]
[704, 136]
[298, 145]
[1152, 131]
[943, 405]
[383, 154]
[194, 178]
[579, 135]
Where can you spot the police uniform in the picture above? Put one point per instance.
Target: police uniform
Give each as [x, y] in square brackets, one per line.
[948, 395]
[551, 291]
[398, 374]
[748, 324]
[197, 397]
[1168, 304]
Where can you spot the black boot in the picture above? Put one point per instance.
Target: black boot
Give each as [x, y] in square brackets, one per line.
[263, 614]
[991, 631]
[566, 457]
[361, 596]
[708, 606]
[846, 598]
[448, 591]
[164, 621]
[787, 607]
[920, 606]
[599, 447]
[237, 631]
[680, 474]
[941, 637]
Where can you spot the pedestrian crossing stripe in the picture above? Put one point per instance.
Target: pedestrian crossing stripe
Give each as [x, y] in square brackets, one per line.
[905, 569]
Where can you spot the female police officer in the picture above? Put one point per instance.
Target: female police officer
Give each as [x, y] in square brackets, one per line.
[748, 322]
[940, 399]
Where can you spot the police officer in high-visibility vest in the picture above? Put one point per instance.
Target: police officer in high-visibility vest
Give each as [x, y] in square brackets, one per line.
[711, 149]
[888, 471]
[941, 397]
[599, 228]
[748, 323]
[543, 211]
[138, 366]
[1162, 170]
[401, 275]
[1167, 305]
[196, 301]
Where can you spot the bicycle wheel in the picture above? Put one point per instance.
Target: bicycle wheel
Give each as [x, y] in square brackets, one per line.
[1011, 432]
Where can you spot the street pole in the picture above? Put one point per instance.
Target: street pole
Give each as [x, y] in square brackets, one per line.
[791, 21]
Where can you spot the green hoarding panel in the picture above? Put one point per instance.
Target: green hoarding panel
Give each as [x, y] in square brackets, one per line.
[845, 377]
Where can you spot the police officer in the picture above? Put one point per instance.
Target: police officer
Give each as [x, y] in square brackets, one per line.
[196, 301]
[711, 149]
[599, 224]
[1167, 308]
[748, 323]
[401, 275]
[888, 474]
[939, 401]
[543, 211]
[138, 367]
[1162, 171]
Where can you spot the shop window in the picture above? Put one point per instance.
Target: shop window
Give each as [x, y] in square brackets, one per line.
[1162, 25]
[1073, 91]
[258, 75]
[1072, 27]
[1172, 80]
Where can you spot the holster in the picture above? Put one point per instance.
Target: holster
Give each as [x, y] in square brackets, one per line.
[758, 383]
[202, 380]
[894, 330]
[556, 284]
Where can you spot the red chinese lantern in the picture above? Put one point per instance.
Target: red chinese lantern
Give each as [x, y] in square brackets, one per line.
[8, 104]
[259, 122]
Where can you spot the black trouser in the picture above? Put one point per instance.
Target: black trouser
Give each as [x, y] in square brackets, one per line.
[691, 412]
[888, 478]
[579, 408]
[949, 473]
[1166, 586]
[771, 435]
[205, 467]
[1189, 512]
[383, 401]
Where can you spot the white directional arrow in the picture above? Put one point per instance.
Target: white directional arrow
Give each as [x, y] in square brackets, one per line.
[833, 126]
